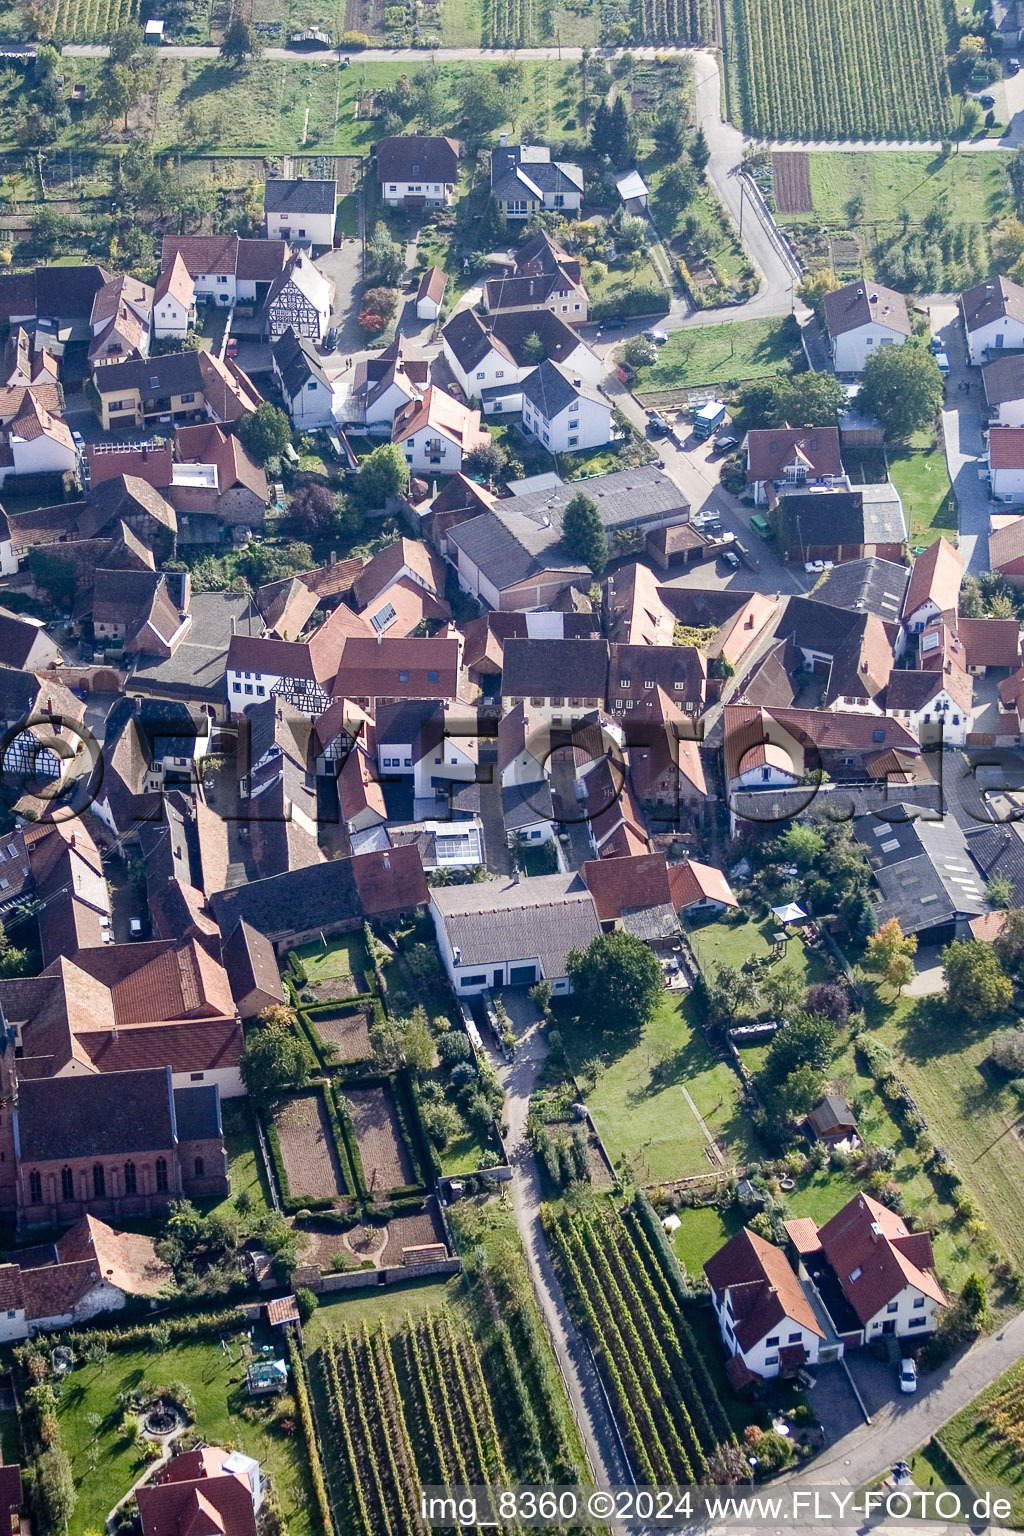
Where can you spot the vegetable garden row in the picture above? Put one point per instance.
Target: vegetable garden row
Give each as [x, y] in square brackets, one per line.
[86, 21]
[677, 21]
[409, 1411]
[509, 23]
[666, 1405]
[840, 69]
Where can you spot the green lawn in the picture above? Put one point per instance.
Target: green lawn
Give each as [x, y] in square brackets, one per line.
[105, 1464]
[879, 187]
[342, 955]
[701, 1233]
[969, 1115]
[981, 1453]
[725, 354]
[245, 1166]
[618, 283]
[638, 1104]
[922, 479]
[393, 1302]
[722, 943]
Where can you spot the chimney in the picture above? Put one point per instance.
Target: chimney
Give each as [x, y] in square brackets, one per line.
[380, 637]
[334, 557]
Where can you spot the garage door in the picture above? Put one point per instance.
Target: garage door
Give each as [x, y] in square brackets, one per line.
[522, 975]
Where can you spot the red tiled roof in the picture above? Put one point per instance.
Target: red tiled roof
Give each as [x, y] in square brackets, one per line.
[692, 882]
[621, 883]
[1006, 447]
[936, 576]
[875, 1256]
[209, 1505]
[389, 881]
[433, 284]
[989, 642]
[763, 1287]
[770, 449]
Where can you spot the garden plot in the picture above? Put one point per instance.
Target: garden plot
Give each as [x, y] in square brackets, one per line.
[348, 1032]
[382, 1149]
[307, 1148]
[412, 1231]
[792, 183]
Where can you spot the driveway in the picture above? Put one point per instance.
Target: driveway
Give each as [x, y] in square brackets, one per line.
[344, 267]
[961, 431]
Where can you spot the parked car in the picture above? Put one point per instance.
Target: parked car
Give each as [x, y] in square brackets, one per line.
[908, 1376]
[656, 335]
[1014, 66]
[987, 101]
[613, 325]
[657, 426]
[77, 438]
[330, 341]
[731, 560]
[936, 344]
[232, 347]
[726, 443]
[943, 362]
[135, 928]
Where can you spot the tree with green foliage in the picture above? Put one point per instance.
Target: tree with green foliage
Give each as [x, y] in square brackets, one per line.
[639, 353]
[621, 145]
[533, 349]
[275, 1061]
[801, 845]
[600, 128]
[999, 891]
[583, 533]
[262, 563]
[974, 1301]
[385, 258]
[383, 474]
[482, 105]
[428, 98]
[700, 152]
[617, 981]
[1009, 944]
[306, 1302]
[486, 462]
[976, 984]
[814, 288]
[264, 433]
[668, 134]
[803, 397]
[796, 1094]
[241, 43]
[55, 1482]
[902, 387]
[127, 44]
[808, 1041]
[677, 190]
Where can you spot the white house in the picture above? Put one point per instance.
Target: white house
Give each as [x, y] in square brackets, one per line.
[767, 1322]
[993, 315]
[436, 432]
[699, 888]
[934, 586]
[300, 298]
[90, 1269]
[564, 412]
[430, 294]
[938, 695]
[1006, 464]
[417, 170]
[1003, 382]
[299, 211]
[511, 933]
[385, 382]
[309, 395]
[862, 317]
[477, 357]
[226, 269]
[526, 181]
[36, 442]
[174, 301]
[885, 1271]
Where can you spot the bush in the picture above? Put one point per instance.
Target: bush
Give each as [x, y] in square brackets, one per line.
[307, 1302]
[1007, 1052]
[354, 40]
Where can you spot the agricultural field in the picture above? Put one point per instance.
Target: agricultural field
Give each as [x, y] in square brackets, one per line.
[87, 21]
[922, 223]
[622, 1297]
[986, 1440]
[677, 21]
[724, 354]
[842, 69]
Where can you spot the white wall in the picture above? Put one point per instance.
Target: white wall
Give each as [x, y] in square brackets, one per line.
[313, 406]
[454, 765]
[316, 228]
[228, 1080]
[394, 193]
[762, 1357]
[851, 350]
[419, 458]
[170, 318]
[905, 1314]
[242, 690]
[1008, 485]
[1010, 414]
[13, 1328]
[491, 370]
[999, 335]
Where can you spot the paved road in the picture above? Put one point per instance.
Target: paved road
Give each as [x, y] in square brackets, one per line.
[961, 430]
[519, 1079]
[908, 1422]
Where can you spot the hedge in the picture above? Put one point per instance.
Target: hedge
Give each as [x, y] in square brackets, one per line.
[643, 300]
[309, 1429]
[345, 1142]
[648, 1218]
[191, 1325]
